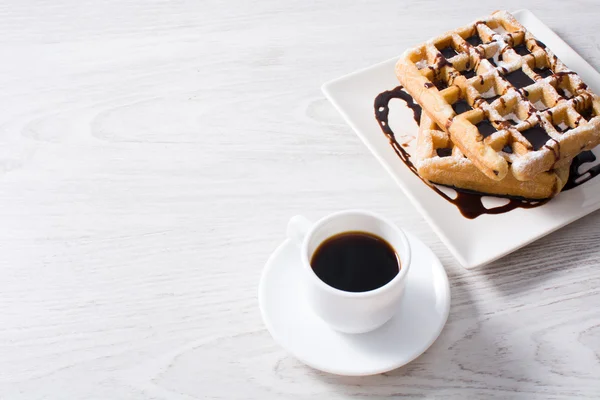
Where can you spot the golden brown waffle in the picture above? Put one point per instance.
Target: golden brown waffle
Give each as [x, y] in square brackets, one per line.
[439, 161]
[507, 101]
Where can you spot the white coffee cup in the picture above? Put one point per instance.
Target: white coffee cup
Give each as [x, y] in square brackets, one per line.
[350, 312]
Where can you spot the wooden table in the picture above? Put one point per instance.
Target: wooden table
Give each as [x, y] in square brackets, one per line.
[151, 154]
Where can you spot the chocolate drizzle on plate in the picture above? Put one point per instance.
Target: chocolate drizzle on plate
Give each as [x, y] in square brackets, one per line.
[575, 177]
[382, 109]
[469, 203]
[471, 206]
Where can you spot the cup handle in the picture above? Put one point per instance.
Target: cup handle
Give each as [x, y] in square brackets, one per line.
[297, 228]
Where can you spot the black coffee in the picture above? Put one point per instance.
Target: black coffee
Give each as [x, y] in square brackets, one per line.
[355, 262]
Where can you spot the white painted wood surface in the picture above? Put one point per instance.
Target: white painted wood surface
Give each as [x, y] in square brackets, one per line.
[150, 156]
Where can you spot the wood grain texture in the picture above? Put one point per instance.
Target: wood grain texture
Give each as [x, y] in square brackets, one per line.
[151, 153]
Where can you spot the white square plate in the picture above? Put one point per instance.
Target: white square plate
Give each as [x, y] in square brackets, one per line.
[486, 238]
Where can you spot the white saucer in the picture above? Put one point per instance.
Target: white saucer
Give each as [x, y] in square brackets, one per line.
[418, 322]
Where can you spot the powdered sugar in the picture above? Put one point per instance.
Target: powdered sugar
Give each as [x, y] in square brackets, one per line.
[490, 93]
[512, 117]
[510, 95]
[562, 126]
[421, 64]
[540, 105]
[500, 30]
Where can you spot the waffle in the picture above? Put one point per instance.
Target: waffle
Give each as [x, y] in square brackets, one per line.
[439, 161]
[507, 101]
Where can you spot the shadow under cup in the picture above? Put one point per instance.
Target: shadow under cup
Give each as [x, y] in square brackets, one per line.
[355, 312]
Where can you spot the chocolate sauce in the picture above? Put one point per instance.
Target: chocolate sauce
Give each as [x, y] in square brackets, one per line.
[586, 113]
[554, 149]
[441, 61]
[445, 152]
[480, 51]
[471, 206]
[519, 79]
[448, 52]
[452, 76]
[507, 149]
[440, 85]
[561, 75]
[503, 124]
[491, 60]
[461, 106]
[511, 122]
[382, 109]
[485, 128]
[477, 102]
[428, 85]
[468, 203]
[537, 136]
[474, 40]
[511, 39]
[543, 72]
[562, 130]
[575, 177]
[521, 50]
[542, 45]
[562, 93]
[468, 74]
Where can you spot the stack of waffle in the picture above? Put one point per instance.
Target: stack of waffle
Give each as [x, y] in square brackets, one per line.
[502, 114]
